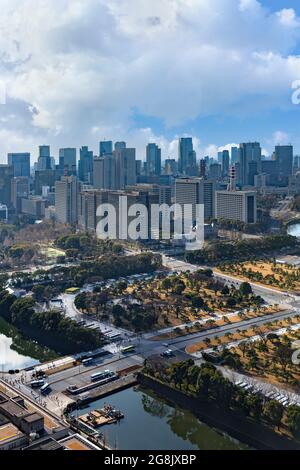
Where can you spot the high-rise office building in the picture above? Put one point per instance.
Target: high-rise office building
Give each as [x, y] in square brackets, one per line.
[89, 201]
[104, 172]
[202, 168]
[225, 163]
[85, 165]
[215, 170]
[125, 167]
[19, 190]
[248, 152]
[6, 175]
[153, 159]
[186, 157]
[234, 155]
[105, 148]
[236, 205]
[171, 167]
[44, 178]
[284, 157]
[196, 191]
[20, 163]
[120, 145]
[66, 199]
[67, 161]
[44, 160]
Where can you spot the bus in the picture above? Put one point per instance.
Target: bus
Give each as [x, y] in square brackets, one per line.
[101, 375]
[37, 383]
[87, 361]
[114, 336]
[45, 389]
[128, 349]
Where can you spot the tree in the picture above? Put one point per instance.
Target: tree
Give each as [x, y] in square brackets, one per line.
[166, 284]
[283, 354]
[245, 289]
[225, 290]
[293, 419]
[273, 412]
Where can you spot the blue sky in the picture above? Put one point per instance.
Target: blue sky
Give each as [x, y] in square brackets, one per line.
[79, 71]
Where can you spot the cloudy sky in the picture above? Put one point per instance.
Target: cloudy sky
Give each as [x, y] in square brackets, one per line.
[79, 71]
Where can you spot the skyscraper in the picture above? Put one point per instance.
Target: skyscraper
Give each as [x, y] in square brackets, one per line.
[6, 175]
[225, 163]
[20, 163]
[284, 157]
[85, 165]
[236, 205]
[19, 190]
[104, 172]
[153, 158]
[248, 152]
[67, 161]
[44, 160]
[66, 199]
[186, 157]
[120, 145]
[125, 167]
[234, 155]
[105, 148]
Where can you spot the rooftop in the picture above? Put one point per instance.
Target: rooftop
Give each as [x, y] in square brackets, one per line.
[9, 432]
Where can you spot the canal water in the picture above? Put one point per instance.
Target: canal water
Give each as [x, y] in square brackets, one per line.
[151, 423]
[17, 352]
[11, 359]
[294, 230]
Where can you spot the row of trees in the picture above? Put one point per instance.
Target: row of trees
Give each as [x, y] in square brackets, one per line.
[51, 329]
[241, 250]
[208, 384]
[82, 245]
[105, 267]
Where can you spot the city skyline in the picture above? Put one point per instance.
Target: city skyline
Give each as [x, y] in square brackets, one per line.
[215, 82]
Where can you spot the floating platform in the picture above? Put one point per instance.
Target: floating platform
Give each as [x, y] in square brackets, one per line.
[106, 415]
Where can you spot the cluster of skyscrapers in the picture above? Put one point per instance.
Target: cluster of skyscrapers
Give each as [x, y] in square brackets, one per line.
[70, 190]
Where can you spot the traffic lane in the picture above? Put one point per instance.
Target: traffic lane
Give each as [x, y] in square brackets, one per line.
[191, 339]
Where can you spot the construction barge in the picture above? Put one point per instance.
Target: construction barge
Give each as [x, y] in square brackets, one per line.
[106, 415]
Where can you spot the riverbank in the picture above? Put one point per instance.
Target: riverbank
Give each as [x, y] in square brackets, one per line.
[256, 435]
[22, 347]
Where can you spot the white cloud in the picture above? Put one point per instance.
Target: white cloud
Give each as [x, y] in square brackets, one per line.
[73, 66]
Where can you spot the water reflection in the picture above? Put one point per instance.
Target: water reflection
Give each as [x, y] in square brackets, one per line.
[151, 423]
[10, 359]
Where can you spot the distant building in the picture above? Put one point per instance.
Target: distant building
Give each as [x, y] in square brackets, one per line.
[247, 153]
[6, 176]
[67, 161]
[120, 145]
[215, 170]
[44, 178]
[105, 148]
[104, 172]
[3, 213]
[20, 163]
[236, 205]
[284, 157]
[171, 167]
[66, 199]
[89, 201]
[187, 157]
[125, 167]
[44, 161]
[85, 165]
[19, 190]
[33, 206]
[153, 159]
[225, 160]
[196, 191]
